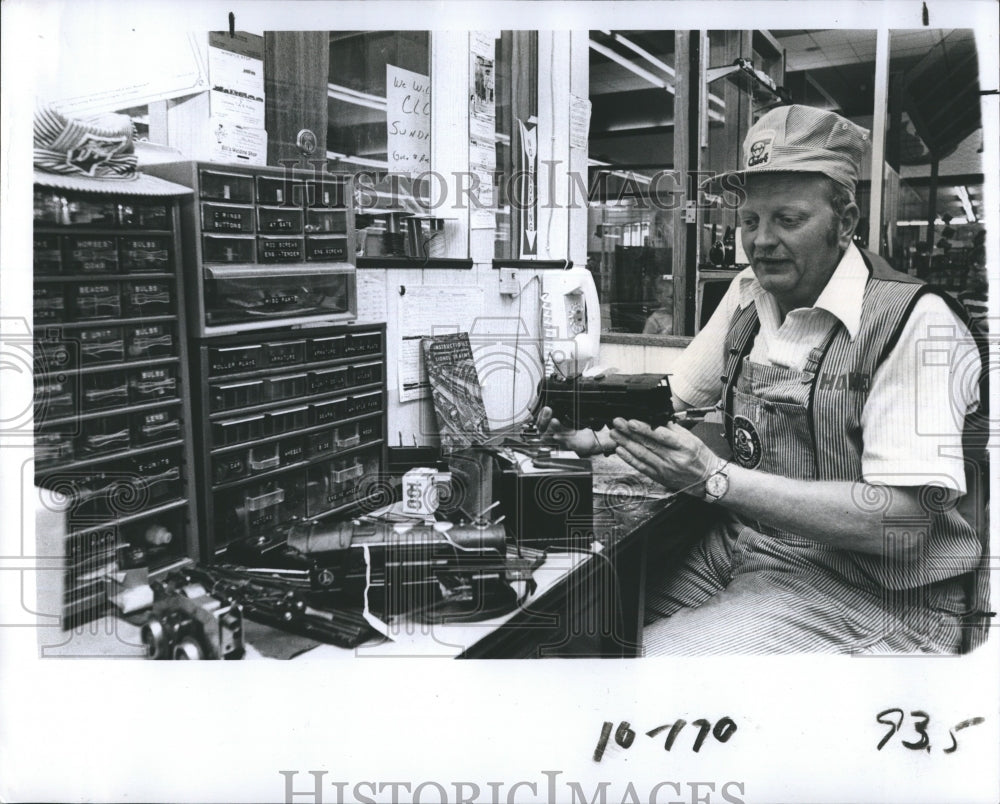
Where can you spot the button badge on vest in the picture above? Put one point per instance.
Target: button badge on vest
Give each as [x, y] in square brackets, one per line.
[746, 443]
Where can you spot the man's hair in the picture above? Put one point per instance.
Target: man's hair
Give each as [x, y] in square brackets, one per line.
[838, 196]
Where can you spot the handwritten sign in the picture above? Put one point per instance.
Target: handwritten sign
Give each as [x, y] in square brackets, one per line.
[408, 120]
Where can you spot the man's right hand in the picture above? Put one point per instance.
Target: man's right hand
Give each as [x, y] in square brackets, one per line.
[584, 443]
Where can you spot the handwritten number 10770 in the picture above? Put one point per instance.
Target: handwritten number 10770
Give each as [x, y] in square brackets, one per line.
[625, 736]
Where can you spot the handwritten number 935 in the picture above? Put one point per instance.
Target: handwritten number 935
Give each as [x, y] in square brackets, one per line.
[893, 718]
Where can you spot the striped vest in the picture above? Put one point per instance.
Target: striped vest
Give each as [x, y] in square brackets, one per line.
[836, 401]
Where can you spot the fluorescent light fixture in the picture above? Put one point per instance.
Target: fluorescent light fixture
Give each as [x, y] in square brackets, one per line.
[954, 222]
[646, 75]
[638, 178]
[963, 196]
[645, 54]
[621, 174]
[375, 163]
[348, 95]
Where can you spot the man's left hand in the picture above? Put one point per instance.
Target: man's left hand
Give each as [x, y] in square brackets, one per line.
[670, 454]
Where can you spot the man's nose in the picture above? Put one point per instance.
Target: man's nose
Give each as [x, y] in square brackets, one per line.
[764, 236]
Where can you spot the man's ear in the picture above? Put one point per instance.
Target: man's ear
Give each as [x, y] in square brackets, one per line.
[847, 224]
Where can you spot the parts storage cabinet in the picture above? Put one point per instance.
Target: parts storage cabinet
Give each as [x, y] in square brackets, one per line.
[112, 418]
[265, 246]
[291, 425]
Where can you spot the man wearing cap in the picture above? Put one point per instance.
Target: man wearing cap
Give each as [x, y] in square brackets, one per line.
[836, 528]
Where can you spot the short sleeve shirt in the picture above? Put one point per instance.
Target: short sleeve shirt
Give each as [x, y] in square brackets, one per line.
[912, 420]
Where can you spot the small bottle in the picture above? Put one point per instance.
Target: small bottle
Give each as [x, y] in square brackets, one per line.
[729, 247]
[716, 254]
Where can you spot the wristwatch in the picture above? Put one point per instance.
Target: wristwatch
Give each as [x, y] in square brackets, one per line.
[717, 484]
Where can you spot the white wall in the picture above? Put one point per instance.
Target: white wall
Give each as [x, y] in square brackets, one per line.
[639, 359]
[505, 330]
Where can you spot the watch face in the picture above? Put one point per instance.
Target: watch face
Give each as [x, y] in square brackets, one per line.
[717, 485]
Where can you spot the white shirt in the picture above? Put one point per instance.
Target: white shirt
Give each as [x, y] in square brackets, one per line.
[912, 421]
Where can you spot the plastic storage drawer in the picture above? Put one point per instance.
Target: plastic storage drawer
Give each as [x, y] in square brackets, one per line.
[91, 255]
[289, 386]
[235, 359]
[107, 434]
[232, 395]
[226, 219]
[107, 389]
[147, 299]
[142, 254]
[284, 353]
[328, 411]
[323, 381]
[152, 384]
[279, 220]
[329, 348]
[149, 427]
[238, 431]
[103, 345]
[288, 419]
[96, 300]
[149, 341]
[226, 186]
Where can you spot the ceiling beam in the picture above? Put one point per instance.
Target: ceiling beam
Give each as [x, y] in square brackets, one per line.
[834, 103]
[929, 57]
[634, 131]
[916, 117]
[944, 76]
[643, 73]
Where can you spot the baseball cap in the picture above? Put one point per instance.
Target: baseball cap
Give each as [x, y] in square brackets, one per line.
[94, 154]
[802, 139]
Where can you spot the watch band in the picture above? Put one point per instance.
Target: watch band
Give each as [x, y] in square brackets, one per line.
[720, 470]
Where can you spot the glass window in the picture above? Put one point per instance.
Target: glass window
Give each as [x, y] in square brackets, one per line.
[516, 98]
[835, 69]
[369, 71]
[629, 231]
[357, 112]
[933, 217]
[743, 80]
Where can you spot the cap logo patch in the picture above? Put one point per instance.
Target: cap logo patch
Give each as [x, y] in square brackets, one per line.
[759, 151]
[92, 152]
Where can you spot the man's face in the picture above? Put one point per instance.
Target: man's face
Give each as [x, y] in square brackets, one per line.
[792, 236]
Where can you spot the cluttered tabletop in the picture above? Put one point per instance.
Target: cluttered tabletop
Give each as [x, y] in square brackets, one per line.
[391, 582]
